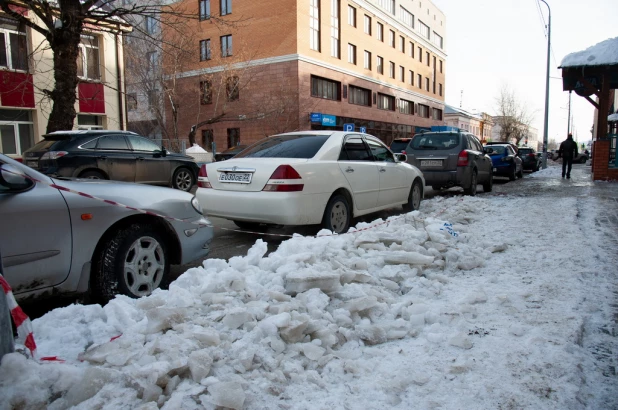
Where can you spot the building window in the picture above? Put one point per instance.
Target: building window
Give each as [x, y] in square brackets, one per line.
[207, 138]
[132, 101]
[386, 102]
[437, 40]
[206, 92]
[380, 65]
[420, 54]
[402, 44]
[437, 115]
[16, 131]
[423, 29]
[411, 77]
[380, 33]
[231, 88]
[226, 7]
[327, 89]
[406, 107]
[391, 38]
[352, 54]
[314, 25]
[426, 84]
[391, 69]
[88, 58]
[359, 96]
[388, 5]
[406, 17]
[402, 74]
[233, 137]
[423, 110]
[367, 25]
[352, 16]
[367, 63]
[427, 58]
[204, 9]
[335, 44]
[419, 81]
[151, 61]
[152, 99]
[440, 89]
[440, 65]
[226, 45]
[13, 45]
[151, 25]
[205, 53]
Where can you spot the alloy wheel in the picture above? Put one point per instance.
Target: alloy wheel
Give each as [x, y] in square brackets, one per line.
[144, 266]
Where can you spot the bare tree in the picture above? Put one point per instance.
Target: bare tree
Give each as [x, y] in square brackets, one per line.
[512, 116]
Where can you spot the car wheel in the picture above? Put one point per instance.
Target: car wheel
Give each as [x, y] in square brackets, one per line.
[337, 214]
[250, 226]
[92, 175]
[134, 263]
[512, 174]
[520, 174]
[414, 197]
[471, 190]
[488, 186]
[583, 160]
[183, 179]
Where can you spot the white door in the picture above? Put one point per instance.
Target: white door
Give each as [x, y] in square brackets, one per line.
[394, 186]
[361, 172]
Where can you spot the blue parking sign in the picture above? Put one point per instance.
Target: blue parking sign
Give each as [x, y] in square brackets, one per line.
[348, 127]
[363, 130]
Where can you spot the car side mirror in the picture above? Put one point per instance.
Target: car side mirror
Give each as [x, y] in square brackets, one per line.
[401, 157]
[162, 153]
[13, 179]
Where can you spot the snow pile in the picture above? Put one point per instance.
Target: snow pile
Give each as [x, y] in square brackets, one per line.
[433, 309]
[603, 53]
[196, 149]
[613, 117]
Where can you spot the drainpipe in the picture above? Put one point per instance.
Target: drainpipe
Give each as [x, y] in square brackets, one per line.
[121, 91]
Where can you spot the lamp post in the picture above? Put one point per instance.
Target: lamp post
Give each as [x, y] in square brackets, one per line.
[546, 89]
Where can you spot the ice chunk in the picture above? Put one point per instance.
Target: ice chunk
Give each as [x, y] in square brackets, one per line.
[208, 336]
[298, 282]
[227, 394]
[362, 303]
[411, 258]
[313, 351]
[295, 332]
[237, 317]
[200, 363]
[371, 334]
[94, 379]
[162, 318]
[461, 340]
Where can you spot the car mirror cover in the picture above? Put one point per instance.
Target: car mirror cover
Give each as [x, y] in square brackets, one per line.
[13, 179]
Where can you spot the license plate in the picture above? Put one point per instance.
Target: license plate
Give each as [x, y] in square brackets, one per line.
[495, 169]
[431, 163]
[32, 164]
[235, 177]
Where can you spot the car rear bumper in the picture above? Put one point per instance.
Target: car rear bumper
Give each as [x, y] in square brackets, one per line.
[452, 178]
[503, 170]
[279, 208]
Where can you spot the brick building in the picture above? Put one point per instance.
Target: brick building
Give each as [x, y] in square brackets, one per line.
[275, 66]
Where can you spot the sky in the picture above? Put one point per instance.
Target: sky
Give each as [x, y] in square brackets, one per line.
[449, 307]
[491, 43]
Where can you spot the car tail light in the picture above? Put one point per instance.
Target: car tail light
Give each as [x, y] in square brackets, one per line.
[53, 155]
[202, 178]
[462, 159]
[506, 159]
[280, 180]
[531, 155]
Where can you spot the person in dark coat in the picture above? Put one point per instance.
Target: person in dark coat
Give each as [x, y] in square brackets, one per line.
[568, 151]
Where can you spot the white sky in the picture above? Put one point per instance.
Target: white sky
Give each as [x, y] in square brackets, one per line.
[493, 42]
[507, 314]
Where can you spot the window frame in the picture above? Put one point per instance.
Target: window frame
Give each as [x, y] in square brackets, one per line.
[382, 98]
[225, 7]
[367, 22]
[367, 60]
[10, 51]
[205, 50]
[359, 96]
[204, 9]
[83, 53]
[351, 53]
[318, 83]
[226, 46]
[352, 16]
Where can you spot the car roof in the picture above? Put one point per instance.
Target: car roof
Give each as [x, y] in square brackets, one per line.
[72, 133]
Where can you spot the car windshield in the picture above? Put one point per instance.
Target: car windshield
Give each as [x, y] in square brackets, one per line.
[430, 141]
[399, 146]
[285, 146]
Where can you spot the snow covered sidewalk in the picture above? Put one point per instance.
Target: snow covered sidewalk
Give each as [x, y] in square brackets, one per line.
[462, 305]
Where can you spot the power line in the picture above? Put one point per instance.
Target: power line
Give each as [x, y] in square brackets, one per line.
[544, 24]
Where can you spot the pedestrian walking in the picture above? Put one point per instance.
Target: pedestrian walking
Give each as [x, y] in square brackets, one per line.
[568, 151]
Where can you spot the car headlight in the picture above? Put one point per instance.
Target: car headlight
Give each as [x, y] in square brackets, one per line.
[197, 206]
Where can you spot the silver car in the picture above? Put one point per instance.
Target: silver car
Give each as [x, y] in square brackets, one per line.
[57, 242]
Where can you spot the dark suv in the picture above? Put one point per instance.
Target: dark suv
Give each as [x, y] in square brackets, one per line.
[531, 160]
[117, 155]
[451, 158]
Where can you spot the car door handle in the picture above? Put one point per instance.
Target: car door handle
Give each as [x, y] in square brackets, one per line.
[141, 158]
[102, 157]
[349, 169]
[382, 169]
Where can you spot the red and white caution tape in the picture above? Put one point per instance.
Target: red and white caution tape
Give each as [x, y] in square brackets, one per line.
[22, 321]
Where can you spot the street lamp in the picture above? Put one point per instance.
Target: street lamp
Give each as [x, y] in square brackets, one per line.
[546, 89]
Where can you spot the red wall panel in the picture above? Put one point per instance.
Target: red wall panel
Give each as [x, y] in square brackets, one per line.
[16, 89]
[91, 98]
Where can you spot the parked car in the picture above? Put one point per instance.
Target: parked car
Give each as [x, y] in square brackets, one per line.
[451, 158]
[505, 161]
[581, 158]
[399, 145]
[55, 242]
[531, 160]
[230, 152]
[116, 155]
[309, 177]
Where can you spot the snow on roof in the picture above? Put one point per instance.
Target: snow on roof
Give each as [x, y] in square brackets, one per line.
[449, 109]
[603, 53]
[613, 117]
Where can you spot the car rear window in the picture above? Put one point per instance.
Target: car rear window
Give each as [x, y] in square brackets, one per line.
[43, 145]
[525, 151]
[285, 146]
[398, 146]
[430, 141]
[497, 149]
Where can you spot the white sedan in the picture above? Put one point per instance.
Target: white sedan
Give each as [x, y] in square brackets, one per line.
[307, 178]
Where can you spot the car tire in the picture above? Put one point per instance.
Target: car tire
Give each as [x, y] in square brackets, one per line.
[471, 189]
[249, 226]
[488, 186]
[513, 174]
[520, 174]
[414, 197]
[583, 160]
[134, 263]
[183, 179]
[337, 215]
[92, 174]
